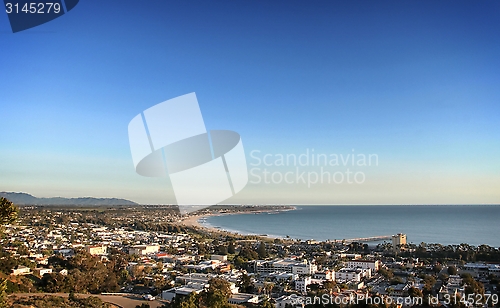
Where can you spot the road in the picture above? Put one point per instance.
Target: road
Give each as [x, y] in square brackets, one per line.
[123, 301]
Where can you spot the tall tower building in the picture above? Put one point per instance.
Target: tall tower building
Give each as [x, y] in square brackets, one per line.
[398, 240]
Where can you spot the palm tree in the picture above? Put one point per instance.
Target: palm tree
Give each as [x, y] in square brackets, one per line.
[269, 288]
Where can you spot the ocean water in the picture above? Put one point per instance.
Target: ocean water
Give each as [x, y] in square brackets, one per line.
[444, 224]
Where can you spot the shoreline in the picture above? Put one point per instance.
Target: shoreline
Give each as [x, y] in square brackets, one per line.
[194, 222]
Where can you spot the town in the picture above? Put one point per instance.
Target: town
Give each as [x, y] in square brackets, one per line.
[149, 255]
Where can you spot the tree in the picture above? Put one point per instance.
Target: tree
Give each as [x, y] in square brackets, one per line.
[266, 304]
[8, 215]
[218, 284]
[443, 276]
[217, 294]
[248, 254]
[8, 211]
[246, 283]
[414, 292]
[189, 301]
[3, 294]
[231, 249]
[452, 270]
[437, 268]
[222, 250]
[329, 286]
[261, 251]
[388, 274]
[268, 287]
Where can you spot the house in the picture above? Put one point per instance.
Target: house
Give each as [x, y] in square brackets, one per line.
[97, 250]
[374, 265]
[242, 298]
[143, 249]
[292, 300]
[352, 274]
[285, 265]
[170, 294]
[218, 257]
[21, 270]
[40, 271]
[63, 272]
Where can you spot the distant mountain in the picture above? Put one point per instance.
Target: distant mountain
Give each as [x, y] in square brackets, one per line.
[27, 199]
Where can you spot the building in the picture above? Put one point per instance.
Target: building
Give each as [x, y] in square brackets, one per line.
[373, 265]
[21, 270]
[352, 274]
[292, 300]
[183, 291]
[482, 268]
[301, 284]
[143, 250]
[453, 288]
[286, 265]
[282, 276]
[243, 298]
[305, 268]
[40, 271]
[325, 275]
[218, 257]
[398, 240]
[353, 256]
[194, 278]
[97, 250]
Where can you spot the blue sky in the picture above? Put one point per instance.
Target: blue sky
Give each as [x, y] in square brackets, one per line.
[415, 82]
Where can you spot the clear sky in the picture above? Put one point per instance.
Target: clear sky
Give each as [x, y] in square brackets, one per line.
[415, 82]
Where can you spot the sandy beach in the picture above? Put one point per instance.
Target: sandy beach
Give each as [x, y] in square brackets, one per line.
[193, 221]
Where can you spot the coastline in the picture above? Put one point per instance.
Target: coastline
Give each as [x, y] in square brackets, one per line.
[194, 221]
[323, 223]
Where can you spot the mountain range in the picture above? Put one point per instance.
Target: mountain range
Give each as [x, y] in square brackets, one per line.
[27, 199]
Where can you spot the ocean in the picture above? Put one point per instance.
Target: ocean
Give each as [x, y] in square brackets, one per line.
[444, 224]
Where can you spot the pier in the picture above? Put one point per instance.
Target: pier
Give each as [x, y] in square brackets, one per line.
[365, 239]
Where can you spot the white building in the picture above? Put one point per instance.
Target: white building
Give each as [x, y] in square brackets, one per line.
[353, 256]
[282, 276]
[305, 268]
[242, 298]
[301, 284]
[218, 257]
[483, 268]
[292, 300]
[373, 265]
[98, 250]
[40, 271]
[328, 275]
[398, 240]
[21, 270]
[352, 274]
[285, 265]
[183, 291]
[194, 277]
[143, 249]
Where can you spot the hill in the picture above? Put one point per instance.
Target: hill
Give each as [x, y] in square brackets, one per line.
[27, 199]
